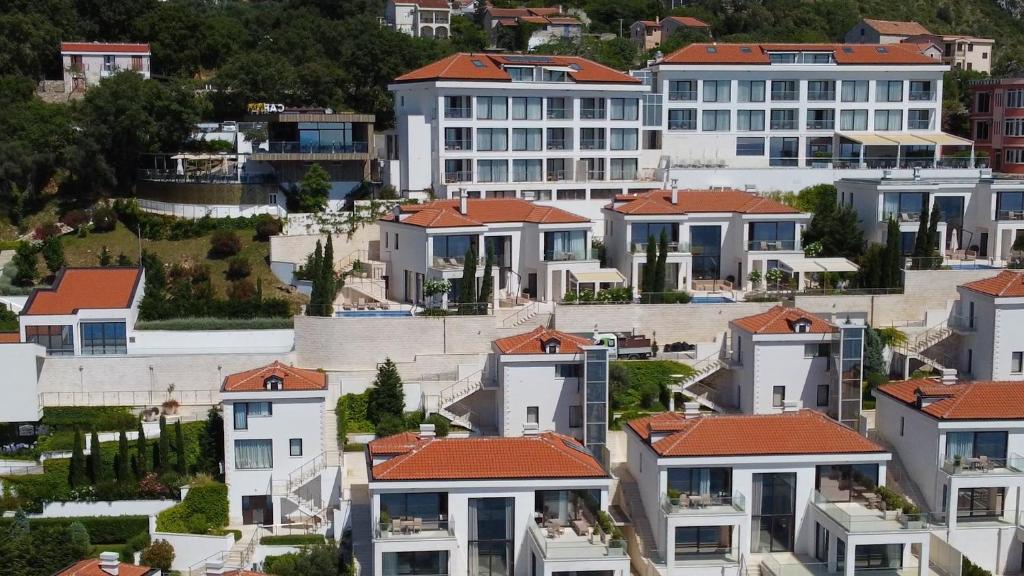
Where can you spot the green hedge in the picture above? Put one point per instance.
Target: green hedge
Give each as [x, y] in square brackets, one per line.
[209, 501]
[217, 324]
[291, 539]
[9, 245]
[969, 568]
[642, 385]
[102, 529]
[101, 418]
[355, 412]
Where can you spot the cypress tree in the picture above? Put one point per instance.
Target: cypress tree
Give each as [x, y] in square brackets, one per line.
[157, 464]
[468, 293]
[487, 286]
[95, 459]
[141, 461]
[122, 459]
[650, 265]
[76, 471]
[661, 266]
[892, 277]
[921, 242]
[179, 439]
[327, 290]
[314, 273]
[165, 446]
[933, 241]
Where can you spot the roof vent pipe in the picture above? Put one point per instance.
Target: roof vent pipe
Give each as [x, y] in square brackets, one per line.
[427, 431]
[691, 409]
[675, 191]
[948, 376]
[463, 201]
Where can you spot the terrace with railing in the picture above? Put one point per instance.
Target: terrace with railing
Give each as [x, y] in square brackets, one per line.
[410, 528]
[982, 465]
[859, 516]
[703, 504]
[317, 148]
[563, 542]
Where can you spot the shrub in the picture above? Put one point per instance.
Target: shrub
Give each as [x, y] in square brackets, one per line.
[896, 501]
[208, 499]
[104, 219]
[241, 290]
[46, 231]
[291, 539]
[238, 268]
[101, 529]
[197, 524]
[159, 554]
[441, 425]
[217, 324]
[224, 244]
[969, 568]
[102, 418]
[74, 218]
[267, 226]
[390, 424]
[355, 412]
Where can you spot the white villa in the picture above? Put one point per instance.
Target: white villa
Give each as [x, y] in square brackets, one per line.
[989, 319]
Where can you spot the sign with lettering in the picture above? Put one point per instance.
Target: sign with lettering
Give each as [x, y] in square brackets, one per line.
[264, 108]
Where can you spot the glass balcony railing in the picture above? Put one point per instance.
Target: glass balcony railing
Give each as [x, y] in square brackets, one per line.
[695, 504]
[461, 176]
[772, 245]
[592, 113]
[922, 95]
[595, 174]
[449, 262]
[821, 124]
[857, 517]
[785, 95]
[317, 148]
[559, 114]
[568, 543]
[908, 216]
[821, 96]
[592, 144]
[458, 113]
[559, 175]
[1013, 464]
[559, 144]
[565, 256]
[458, 144]
[414, 528]
[673, 247]
[1010, 214]
[682, 95]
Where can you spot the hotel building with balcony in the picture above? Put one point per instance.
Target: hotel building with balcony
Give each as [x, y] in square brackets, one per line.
[521, 506]
[997, 122]
[980, 217]
[420, 18]
[960, 444]
[792, 493]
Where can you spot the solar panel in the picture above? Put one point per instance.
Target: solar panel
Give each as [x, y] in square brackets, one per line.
[576, 447]
[527, 59]
[745, 49]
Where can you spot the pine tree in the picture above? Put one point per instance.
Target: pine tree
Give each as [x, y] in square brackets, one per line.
[165, 446]
[650, 265]
[487, 286]
[76, 471]
[661, 265]
[95, 458]
[468, 292]
[122, 459]
[141, 461]
[386, 397]
[179, 439]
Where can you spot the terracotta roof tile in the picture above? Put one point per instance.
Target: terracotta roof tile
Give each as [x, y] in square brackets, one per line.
[394, 445]
[979, 400]
[660, 422]
[691, 201]
[516, 12]
[445, 213]
[430, 4]
[649, 23]
[244, 573]
[533, 342]
[85, 288]
[547, 455]
[1006, 284]
[294, 379]
[845, 54]
[791, 433]
[488, 68]
[896, 27]
[91, 567]
[105, 47]
[688, 21]
[10, 337]
[780, 320]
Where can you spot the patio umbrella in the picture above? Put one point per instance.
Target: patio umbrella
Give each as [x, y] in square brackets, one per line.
[954, 241]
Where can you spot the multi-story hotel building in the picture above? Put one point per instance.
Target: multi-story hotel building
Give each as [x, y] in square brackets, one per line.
[807, 105]
[997, 122]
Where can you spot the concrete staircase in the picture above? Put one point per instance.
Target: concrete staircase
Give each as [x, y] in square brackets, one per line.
[690, 387]
[454, 394]
[521, 316]
[629, 498]
[922, 347]
[362, 529]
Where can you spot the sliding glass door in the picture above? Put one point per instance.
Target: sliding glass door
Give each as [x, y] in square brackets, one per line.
[773, 511]
[491, 527]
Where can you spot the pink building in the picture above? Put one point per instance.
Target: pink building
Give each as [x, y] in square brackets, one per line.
[86, 63]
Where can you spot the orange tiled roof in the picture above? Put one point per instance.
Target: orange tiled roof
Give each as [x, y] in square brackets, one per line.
[979, 400]
[789, 433]
[431, 4]
[294, 379]
[757, 54]
[105, 47]
[896, 27]
[516, 12]
[689, 21]
[660, 202]
[1006, 284]
[649, 23]
[91, 567]
[244, 573]
[488, 67]
[395, 444]
[85, 288]
[780, 320]
[547, 455]
[10, 337]
[533, 342]
[445, 213]
[660, 422]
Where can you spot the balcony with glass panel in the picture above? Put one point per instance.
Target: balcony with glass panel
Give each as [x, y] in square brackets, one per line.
[569, 245]
[863, 516]
[1010, 206]
[980, 453]
[566, 527]
[592, 144]
[413, 516]
[449, 252]
[703, 504]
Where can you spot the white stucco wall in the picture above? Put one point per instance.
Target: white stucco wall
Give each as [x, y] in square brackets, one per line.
[22, 364]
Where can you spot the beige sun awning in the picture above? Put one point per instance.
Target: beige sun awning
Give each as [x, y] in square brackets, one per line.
[604, 275]
[868, 138]
[812, 265]
[908, 139]
[943, 139]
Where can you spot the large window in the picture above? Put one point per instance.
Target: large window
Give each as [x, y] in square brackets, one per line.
[624, 108]
[559, 108]
[245, 410]
[888, 120]
[703, 541]
[565, 245]
[527, 108]
[783, 151]
[980, 503]
[750, 120]
[706, 246]
[853, 120]
[785, 91]
[846, 482]
[492, 170]
[891, 91]
[254, 454]
[855, 91]
[458, 107]
[491, 108]
[821, 90]
[905, 206]
[491, 139]
[878, 556]
[623, 138]
[703, 481]
[821, 119]
[622, 169]
[682, 119]
[750, 146]
[527, 139]
[452, 248]
[1009, 205]
[969, 445]
[592, 139]
[715, 121]
[592, 108]
[58, 340]
[428, 506]
[751, 90]
[783, 119]
[491, 536]
[325, 137]
[682, 90]
[773, 504]
[772, 236]
[527, 170]
[643, 232]
[425, 563]
[919, 119]
[567, 505]
[717, 90]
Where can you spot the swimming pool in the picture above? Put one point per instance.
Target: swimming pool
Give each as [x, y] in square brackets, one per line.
[711, 300]
[970, 266]
[372, 313]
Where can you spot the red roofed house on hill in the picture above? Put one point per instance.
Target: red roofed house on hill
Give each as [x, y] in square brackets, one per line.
[420, 18]
[276, 464]
[86, 63]
[538, 250]
[960, 443]
[713, 236]
[716, 489]
[989, 320]
[490, 505]
[551, 24]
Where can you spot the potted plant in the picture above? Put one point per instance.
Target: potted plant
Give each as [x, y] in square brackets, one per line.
[673, 496]
[384, 521]
[957, 462]
[170, 407]
[755, 278]
[150, 414]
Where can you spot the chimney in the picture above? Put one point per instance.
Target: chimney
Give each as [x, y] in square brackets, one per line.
[675, 191]
[110, 563]
[427, 431]
[691, 409]
[214, 567]
[463, 202]
[396, 210]
[792, 405]
[948, 376]
[531, 429]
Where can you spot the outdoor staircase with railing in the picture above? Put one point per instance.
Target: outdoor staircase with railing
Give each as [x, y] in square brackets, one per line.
[457, 392]
[922, 347]
[521, 316]
[291, 487]
[629, 498]
[690, 387]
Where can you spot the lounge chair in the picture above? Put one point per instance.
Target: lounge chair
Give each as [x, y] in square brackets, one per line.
[360, 303]
[385, 306]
